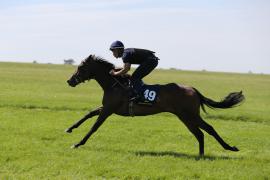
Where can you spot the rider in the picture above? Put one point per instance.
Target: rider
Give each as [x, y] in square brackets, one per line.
[145, 58]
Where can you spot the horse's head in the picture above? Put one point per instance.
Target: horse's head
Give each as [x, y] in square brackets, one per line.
[84, 72]
[88, 69]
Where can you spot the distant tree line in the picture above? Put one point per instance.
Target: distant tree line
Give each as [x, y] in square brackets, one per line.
[69, 61]
[66, 61]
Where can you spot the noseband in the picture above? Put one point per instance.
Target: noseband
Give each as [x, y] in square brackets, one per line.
[77, 79]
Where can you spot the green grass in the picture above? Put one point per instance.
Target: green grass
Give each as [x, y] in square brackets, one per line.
[36, 106]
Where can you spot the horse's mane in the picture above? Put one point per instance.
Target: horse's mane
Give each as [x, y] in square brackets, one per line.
[106, 64]
[100, 60]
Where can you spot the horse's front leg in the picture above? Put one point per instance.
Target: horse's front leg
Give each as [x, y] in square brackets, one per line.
[102, 117]
[87, 116]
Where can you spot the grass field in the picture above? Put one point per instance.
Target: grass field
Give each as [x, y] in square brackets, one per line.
[36, 106]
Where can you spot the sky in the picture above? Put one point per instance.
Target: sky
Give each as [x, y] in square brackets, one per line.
[212, 35]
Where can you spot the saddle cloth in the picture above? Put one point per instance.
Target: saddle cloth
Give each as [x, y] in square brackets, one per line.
[149, 94]
[148, 98]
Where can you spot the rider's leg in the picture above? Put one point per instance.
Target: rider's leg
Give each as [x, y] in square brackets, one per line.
[143, 70]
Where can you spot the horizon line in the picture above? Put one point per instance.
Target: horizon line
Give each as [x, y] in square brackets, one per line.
[250, 72]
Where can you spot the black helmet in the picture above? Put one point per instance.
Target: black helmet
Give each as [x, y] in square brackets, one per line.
[117, 45]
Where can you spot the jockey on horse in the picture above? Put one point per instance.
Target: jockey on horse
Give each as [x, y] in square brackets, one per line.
[145, 58]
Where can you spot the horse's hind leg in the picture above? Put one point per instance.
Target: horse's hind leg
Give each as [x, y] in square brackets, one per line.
[210, 130]
[188, 121]
[87, 116]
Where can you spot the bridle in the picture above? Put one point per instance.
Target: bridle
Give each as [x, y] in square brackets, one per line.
[77, 79]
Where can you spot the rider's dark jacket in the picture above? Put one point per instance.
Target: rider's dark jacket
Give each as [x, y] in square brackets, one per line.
[147, 62]
[137, 56]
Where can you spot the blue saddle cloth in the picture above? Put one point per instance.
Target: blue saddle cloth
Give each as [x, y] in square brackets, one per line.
[149, 94]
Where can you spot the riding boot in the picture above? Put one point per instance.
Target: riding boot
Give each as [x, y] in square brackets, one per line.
[133, 94]
[134, 91]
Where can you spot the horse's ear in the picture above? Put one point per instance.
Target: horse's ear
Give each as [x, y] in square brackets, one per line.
[91, 56]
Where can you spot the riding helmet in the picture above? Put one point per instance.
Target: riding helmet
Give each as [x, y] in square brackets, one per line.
[116, 45]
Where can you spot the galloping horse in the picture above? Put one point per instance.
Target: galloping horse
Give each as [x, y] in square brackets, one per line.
[184, 102]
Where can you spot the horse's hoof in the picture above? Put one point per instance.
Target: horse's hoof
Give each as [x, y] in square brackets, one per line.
[235, 148]
[75, 146]
[201, 155]
[68, 131]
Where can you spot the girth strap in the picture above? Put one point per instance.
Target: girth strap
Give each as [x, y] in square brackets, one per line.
[130, 108]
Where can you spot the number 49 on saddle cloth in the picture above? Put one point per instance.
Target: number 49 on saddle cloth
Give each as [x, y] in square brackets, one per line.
[149, 94]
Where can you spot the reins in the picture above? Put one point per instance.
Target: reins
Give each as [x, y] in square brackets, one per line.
[118, 82]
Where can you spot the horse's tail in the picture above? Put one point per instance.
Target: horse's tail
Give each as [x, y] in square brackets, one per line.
[231, 100]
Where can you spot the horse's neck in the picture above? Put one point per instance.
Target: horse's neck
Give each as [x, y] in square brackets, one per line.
[104, 80]
[123, 80]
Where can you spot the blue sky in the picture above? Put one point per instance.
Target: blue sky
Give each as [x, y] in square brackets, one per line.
[216, 35]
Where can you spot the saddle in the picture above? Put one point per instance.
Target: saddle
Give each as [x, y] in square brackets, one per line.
[148, 93]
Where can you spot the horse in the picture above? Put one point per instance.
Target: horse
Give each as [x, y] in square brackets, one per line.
[183, 101]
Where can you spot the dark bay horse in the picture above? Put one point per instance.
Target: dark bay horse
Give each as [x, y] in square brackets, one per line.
[183, 101]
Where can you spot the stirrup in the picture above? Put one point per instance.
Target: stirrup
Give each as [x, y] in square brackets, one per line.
[135, 98]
